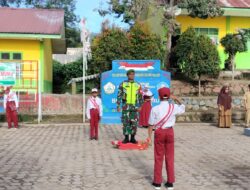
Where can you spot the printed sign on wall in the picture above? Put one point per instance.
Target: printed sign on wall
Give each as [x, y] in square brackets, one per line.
[148, 74]
[7, 74]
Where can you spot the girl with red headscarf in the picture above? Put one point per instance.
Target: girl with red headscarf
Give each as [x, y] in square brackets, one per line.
[224, 105]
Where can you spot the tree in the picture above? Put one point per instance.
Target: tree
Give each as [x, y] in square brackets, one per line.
[245, 32]
[233, 44]
[58, 77]
[130, 10]
[143, 44]
[196, 8]
[110, 45]
[169, 21]
[69, 6]
[73, 37]
[197, 55]
[72, 70]
[202, 8]
[116, 44]
[5, 3]
[62, 74]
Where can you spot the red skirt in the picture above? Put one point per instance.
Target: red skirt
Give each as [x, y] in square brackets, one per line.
[145, 113]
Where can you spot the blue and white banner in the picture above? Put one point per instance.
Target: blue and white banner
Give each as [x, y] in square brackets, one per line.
[148, 74]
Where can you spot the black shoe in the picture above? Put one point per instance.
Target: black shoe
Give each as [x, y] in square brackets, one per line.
[157, 186]
[132, 140]
[96, 138]
[126, 140]
[169, 186]
[91, 138]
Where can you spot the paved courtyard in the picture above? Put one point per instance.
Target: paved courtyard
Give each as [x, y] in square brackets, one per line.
[63, 158]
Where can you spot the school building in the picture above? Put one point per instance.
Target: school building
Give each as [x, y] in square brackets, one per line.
[28, 38]
[236, 16]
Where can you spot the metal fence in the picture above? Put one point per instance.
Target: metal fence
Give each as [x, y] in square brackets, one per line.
[23, 76]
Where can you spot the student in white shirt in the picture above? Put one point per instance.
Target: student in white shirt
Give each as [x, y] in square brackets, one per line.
[94, 113]
[162, 118]
[10, 103]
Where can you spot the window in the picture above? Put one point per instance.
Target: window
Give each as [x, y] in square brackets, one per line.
[212, 33]
[203, 31]
[10, 56]
[17, 56]
[207, 31]
[5, 55]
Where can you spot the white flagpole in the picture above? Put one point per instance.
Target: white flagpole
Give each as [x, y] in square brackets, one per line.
[83, 83]
[84, 38]
[39, 92]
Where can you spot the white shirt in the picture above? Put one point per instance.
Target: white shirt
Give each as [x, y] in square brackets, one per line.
[10, 97]
[90, 105]
[160, 111]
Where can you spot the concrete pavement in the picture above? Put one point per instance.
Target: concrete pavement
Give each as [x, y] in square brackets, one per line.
[61, 157]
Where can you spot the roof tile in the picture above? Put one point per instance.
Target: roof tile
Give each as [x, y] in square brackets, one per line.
[31, 21]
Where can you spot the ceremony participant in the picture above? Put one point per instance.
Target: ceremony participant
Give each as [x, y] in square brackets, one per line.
[130, 98]
[163, 118]
[224, 106]
[10, 103]
[94, 113]
[145, 109]
[247, 105]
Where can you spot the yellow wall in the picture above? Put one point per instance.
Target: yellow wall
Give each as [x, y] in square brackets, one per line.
[47, 68]
[29, 48]
[47, 60]
[219, 22]
[239, 22]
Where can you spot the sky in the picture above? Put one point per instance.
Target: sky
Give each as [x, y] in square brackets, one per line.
[85, 8]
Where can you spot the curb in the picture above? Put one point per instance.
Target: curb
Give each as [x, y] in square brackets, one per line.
[45, 124]
[185, 124]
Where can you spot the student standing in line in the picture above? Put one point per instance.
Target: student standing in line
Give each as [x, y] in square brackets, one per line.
[145, 109]
[163, 118]
[10, 103]
[94, 113]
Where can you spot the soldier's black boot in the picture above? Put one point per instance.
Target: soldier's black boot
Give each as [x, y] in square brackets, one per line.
[132, 140]
[126, 140]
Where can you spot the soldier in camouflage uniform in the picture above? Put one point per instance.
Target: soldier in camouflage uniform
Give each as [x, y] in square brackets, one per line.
[130, 96]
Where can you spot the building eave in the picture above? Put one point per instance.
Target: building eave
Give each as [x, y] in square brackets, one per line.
[237, 12]
[29, 36]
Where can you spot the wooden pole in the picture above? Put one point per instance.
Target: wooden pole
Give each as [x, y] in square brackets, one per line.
[73, 86]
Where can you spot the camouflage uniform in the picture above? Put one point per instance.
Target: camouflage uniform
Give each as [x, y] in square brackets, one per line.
[130, 105]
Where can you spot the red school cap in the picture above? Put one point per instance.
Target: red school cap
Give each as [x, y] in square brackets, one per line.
[164, 92]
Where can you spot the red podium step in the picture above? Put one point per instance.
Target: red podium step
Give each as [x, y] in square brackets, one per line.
[141, 145]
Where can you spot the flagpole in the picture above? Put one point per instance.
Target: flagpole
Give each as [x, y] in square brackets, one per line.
[83, 81]
[85, 49]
